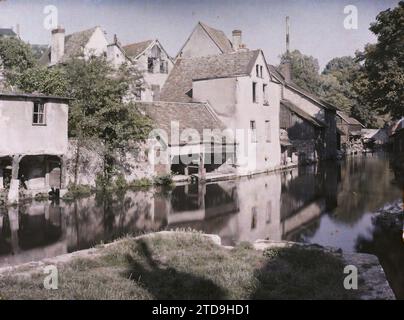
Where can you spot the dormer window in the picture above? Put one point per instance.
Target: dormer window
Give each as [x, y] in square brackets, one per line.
[38, 116]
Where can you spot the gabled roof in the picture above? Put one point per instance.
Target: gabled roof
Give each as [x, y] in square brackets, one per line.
[279, 76]
[196, 116]
[7, 32]
[310, 96]
[302, 114]
[219, 38]
[179, 82]
[135, 49]
[349, 119]
[74, 44]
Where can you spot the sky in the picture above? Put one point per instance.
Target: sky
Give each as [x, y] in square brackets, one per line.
[316, 26]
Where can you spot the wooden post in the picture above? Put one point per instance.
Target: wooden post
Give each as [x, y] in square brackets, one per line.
[63, 172]
[15, 182]
[1, 177]
[202, 171]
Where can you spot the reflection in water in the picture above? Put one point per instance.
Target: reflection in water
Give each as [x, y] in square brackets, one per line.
[331, 204]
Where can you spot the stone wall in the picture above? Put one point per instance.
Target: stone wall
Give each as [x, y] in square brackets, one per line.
[86, 162]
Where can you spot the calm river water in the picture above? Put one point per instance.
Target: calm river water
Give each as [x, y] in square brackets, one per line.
[333, 204]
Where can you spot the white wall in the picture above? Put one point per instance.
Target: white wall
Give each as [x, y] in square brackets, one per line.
[231, 99]
[199, 44]
[20, 136]
[97, 45]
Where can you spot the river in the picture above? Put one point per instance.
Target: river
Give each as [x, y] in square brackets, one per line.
[333, 204]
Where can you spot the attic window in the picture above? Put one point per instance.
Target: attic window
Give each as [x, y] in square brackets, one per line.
[150, 64]
[38, 115]
[163, 67]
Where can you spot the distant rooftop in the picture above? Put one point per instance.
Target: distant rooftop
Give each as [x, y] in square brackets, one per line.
[8, 32]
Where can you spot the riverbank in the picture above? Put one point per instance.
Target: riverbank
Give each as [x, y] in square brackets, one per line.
[191, 265]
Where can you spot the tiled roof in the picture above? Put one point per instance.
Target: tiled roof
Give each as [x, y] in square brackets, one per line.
[74, 44]
[219, 38]
[292, 107]
[179, 82]
[197, 116]
[278, 75]
[134, 49]
[7, 32]
[349, 119]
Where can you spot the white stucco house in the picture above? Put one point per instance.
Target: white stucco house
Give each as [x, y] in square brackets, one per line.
[239, 87]
[33, 144]
[149, 57]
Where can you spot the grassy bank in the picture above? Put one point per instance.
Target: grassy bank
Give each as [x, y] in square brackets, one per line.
[186, 266]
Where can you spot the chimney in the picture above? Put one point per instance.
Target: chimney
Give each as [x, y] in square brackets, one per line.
[286, 70]
[237, 44]
[57, 44]
[286, 66]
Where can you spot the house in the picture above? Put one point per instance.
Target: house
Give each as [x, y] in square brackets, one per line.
[33, 144]
[7, 33]
[86, 43]
[155, 64]
[149, 57]
[244, 96]
[188, 138]
[309, 121]
[349, 128]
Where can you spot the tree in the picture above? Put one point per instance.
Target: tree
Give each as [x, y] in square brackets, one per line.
[381, 88]
[304, 71]
[15, 55]
[51, 81]
[100, 111]
[336, 83]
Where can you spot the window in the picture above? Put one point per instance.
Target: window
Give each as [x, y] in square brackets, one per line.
[254, 92]
[260, 71]
[163, 67]
[257, 70]
[150, 64]
[268, 130]
[38, 117]
[253, 218]
[253, 129]
[269, 212]
[265, 94]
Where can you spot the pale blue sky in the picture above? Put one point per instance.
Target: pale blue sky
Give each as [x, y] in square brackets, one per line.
[316, 26]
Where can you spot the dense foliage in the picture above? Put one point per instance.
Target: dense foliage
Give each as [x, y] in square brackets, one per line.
[381, 86]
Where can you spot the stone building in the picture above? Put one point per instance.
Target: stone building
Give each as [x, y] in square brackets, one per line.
[239, 87]
[348, 129]
[309, 120]
[243, 95]
[150, 58]
[33, 131]
[188, 138]
[86, 43]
